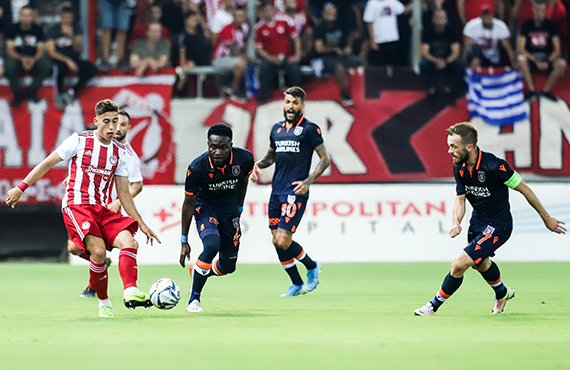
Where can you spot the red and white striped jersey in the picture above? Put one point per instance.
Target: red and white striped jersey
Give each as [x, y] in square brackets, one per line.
[92, 166]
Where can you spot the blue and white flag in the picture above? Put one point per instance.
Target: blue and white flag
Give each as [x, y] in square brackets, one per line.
[498, 99]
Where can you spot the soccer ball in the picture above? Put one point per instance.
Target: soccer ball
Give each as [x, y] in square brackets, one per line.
[165, 293]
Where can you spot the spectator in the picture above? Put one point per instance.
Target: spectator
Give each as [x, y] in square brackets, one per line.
[115, 15]
[230, 53]
[64, 48]
[539, 50]
[195, 47]
[273, 40]
[431, 6]
[222, 17]
[298, 19]
[334, 47]
[556, 12]
[151, 54]
[155, 16]
[5, 21]
[481, 40]
[521, 11]
[470, 9]
[381, 16]
[440, 54]
[25, 53]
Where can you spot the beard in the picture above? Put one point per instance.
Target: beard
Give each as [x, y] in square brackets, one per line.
[295, 117]
[461, 157]
[120, 138]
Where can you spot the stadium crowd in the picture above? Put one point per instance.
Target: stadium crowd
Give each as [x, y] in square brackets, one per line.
[293, 39]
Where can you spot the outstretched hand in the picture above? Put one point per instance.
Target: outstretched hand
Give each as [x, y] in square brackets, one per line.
[150, 235]
[13, 197]
[555, 225]
[184, 254]
[255, 174]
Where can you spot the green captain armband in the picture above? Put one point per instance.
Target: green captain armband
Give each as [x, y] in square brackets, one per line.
[514, 181]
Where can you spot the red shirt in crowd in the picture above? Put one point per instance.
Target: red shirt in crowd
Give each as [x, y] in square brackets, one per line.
[473, 8]
[557, 14]
[275, 37]
[229, 35]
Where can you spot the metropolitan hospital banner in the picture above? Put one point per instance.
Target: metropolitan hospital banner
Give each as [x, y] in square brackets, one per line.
[360, 223]
[31, 132]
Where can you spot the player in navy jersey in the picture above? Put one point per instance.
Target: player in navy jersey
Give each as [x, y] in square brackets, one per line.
[292, 143]
[216, 183]
[484, 180]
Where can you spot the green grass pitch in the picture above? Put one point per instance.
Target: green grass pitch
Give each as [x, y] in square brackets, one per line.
[360, 317]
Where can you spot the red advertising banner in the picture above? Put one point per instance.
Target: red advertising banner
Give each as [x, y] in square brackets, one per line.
[31, 132]
[394, 133]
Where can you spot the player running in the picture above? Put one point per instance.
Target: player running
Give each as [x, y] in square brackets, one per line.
[216, 183]
[291, 146]
[484, 180]
[95, 160]
[135, 187]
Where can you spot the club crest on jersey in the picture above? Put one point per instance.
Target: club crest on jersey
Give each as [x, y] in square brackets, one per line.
[113, 160]
[291, 199]
[86, 225]
[236, 170]
[489, 230]
[298, 130]
[481, 176]
[235, 222]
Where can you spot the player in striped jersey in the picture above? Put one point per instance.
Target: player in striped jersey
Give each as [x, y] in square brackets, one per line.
[95, 161]
[135, 187]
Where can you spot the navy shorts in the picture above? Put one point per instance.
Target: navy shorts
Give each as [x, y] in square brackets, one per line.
[285, 211]
[485, 239]
[208, 222]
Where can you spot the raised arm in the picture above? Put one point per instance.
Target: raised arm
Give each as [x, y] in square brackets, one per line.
[302, 187]
[37, 173]
[550, 222]
[457, 217]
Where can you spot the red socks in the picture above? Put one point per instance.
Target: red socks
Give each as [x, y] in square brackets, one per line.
[128, 267]
[98, 279]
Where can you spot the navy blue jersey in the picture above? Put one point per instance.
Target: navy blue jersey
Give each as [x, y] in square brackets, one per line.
[220, 187]
[485, 188]
[293, 153]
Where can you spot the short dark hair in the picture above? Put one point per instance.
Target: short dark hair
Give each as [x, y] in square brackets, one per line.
[265, 4]
[28, 6]
[124, 113]
[220, 129]
[297, 92]
[105, 106]
[66, 8]
[466, 131]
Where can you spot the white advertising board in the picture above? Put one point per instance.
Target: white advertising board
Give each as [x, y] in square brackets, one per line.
[361, 223]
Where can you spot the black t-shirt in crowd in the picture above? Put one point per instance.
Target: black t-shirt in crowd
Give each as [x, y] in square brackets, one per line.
[539, 39]
[198, 48]
[63, 43]
[439, 42]
[331, 33]
[25, 42]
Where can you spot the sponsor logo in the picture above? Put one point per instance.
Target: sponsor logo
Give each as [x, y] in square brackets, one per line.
[113, 160]
[298, 130]
[481, 176]
[287, 146]
[86, 225]
[236, 170]
[224, 185]
[478, 191]
[100, 171]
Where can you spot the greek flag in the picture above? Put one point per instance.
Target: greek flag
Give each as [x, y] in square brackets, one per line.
[497, 98]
